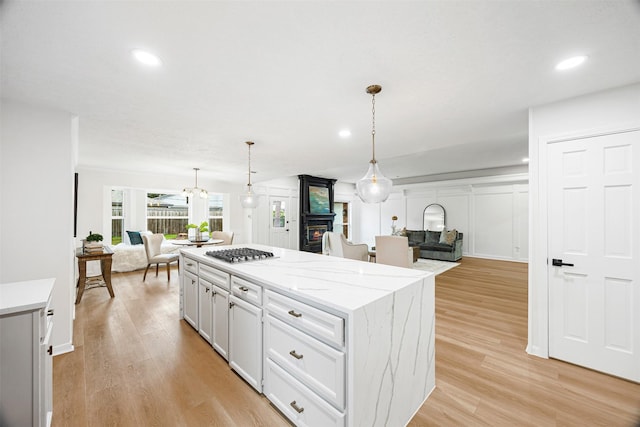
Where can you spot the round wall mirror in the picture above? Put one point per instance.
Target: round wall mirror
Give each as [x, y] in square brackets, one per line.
[434, 218]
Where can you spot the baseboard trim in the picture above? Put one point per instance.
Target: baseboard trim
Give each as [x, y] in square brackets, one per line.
[62, 349]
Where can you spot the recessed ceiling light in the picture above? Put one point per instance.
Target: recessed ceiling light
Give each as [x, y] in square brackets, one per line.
[146, 58]
[571, 62]
[525, 160]
[345, 133]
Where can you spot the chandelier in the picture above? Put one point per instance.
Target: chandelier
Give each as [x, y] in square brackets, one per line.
[190, 192]
[373, 187]
[249, 199]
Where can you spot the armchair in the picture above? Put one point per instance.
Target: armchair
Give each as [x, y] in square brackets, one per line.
[227, 236]
[335, 244]
[393, 250]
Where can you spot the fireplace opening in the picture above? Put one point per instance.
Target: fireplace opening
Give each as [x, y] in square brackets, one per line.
[315, 232]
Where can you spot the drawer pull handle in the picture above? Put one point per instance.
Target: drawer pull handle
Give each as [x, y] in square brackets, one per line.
[50, 350]
[294, 314]
[189, 264]
[296, 355]
[244, 288]
[50, 312]
[296, 407]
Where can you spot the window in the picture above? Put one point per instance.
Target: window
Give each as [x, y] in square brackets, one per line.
[216, 209]
[167, 214]
[117, 217]
[341, 220]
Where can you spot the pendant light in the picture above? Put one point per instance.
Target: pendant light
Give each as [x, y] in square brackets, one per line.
[249, 199]
[373, 187]
[190, 192]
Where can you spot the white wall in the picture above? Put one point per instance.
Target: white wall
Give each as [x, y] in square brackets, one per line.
[490, 211]
[36, 212]
[608, 111]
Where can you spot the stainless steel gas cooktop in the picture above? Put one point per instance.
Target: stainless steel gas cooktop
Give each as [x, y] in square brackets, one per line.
[239, 254]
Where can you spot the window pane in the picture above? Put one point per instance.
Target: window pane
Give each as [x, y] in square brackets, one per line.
[216, 209]
[116, 216]
[167, 214]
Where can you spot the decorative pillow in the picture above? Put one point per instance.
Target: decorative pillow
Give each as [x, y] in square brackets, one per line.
[134, 237]
[432, 237]
[448, 237]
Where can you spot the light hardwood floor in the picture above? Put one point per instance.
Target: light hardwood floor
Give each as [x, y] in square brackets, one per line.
[136, 363]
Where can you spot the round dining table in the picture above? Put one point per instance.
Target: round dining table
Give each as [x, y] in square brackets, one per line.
[186, 242]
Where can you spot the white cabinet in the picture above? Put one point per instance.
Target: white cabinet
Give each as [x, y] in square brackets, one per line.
[205, 303]
[190, 298]
[26, 353]
[305, 372]
[220, 317]
[245, 340]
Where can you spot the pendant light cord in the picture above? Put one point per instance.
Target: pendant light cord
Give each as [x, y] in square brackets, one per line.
[373, 128]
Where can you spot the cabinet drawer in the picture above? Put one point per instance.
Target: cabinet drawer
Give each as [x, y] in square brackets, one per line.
[214, 276]
[315, 364]
[297, 402]
[247, 291]
[191, 265]
[320, 324]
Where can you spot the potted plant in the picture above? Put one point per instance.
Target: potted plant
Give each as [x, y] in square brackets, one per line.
[93, 242]
[199, 230]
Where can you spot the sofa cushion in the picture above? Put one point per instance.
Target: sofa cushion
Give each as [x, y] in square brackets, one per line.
[415, 237]
[440, 247]
[448, 237]
[134, 237]
[432, 237]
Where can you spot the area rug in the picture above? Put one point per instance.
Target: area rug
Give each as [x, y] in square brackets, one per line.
[434, 266]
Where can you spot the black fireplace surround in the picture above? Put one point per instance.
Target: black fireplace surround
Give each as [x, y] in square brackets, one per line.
[316, 211]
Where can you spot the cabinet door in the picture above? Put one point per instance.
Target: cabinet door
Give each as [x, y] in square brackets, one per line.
[204, 309]
[245, 341]
[190, 289]
[46, 376]
[220, 317]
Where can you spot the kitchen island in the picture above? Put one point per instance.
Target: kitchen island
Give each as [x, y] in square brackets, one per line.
[329, 341]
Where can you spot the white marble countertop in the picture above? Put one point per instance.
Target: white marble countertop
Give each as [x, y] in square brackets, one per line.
[29, 295]
[340, 284]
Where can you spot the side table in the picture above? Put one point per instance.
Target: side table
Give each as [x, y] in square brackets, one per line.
[105, 268]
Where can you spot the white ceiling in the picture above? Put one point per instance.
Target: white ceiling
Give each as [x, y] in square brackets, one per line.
[457, 79]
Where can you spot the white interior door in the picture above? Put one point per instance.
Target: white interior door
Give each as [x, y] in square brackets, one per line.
[279, 223]
[594, 233]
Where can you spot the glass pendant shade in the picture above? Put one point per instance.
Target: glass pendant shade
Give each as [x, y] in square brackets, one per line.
[249, 200]
[373, 187]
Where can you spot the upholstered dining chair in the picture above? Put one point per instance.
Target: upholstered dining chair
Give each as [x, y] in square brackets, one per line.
[393, 250]
[226, 236]
[152, 244]
[335, 244]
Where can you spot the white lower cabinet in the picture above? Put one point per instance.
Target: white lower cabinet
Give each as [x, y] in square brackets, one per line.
[26, 375]
[318, 366]
[205, 301]
[220, 317]
[190, 297]
[297, 402]
[302, 365]
[245, 340]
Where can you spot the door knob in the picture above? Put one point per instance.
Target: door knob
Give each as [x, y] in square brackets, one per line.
[558, 263]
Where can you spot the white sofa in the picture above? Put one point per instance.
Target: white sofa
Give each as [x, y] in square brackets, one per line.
[128, 257]
[132, 257]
